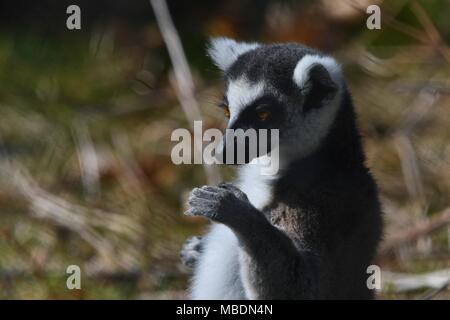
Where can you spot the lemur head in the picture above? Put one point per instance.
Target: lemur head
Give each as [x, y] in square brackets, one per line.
[288, 87]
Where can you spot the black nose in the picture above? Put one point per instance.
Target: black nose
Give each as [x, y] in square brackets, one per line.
[236, 153]
[237, 150]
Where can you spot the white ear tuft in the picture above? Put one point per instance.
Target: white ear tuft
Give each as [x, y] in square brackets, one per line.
[224, 51]
[302, 70]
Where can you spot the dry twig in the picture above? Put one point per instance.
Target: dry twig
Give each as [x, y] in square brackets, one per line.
[400, 282]
[183, 82]
[425, 227]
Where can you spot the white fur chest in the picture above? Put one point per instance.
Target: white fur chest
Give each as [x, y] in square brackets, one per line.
[256, 186]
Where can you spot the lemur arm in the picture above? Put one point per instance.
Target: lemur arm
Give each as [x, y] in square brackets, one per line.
[272, 266]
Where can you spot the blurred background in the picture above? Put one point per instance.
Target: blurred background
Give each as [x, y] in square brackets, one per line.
[86, 116]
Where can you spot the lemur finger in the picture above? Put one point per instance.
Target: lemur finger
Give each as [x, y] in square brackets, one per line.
[204, 212]
[224, 185]
[232, 188]
[193, 212]
[229, 186]
[205, 194]
[209, 188]
[195, 201]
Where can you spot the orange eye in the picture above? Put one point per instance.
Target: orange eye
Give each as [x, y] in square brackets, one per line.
[263, 115]
[226, 110]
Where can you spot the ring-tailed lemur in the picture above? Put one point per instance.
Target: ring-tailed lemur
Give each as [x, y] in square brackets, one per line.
[310, 231]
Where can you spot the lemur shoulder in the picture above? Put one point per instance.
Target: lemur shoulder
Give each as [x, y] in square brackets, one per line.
[311, 231]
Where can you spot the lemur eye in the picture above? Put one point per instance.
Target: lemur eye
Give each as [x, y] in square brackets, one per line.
[226, 110]
[263, 115]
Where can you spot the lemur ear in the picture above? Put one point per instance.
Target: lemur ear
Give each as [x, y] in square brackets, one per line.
[319, 79]
[224, 51]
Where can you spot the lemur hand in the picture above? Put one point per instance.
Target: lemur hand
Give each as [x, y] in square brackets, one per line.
[226, 203]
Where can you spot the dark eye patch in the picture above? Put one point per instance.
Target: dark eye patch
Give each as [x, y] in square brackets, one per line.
[265, 103]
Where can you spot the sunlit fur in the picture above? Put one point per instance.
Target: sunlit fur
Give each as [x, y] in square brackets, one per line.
[323, 204]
